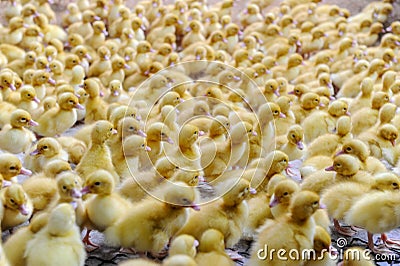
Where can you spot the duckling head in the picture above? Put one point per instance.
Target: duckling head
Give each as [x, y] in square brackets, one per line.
[129, 126]
[56, 67]
[158, 132]
[28, 93]
[284, 192]
[355, 147]
[170, 98]
[299, 90]
[386, 182]
[69, 185]
[99, 182]
[379, 99]
[21, 118]
[183, 244]
[322, 240]
[338, 108]
[11, 166]
[220, 125]
[68, 101]
[47, 147]
[55, 167]
[389, 132]
[191, 178]
[71, 60]
[303, 205]
[6, 80]
[165, 168]
[91, 87]
[118, 63]
[387, 112]
[15, 198]
[212, 240]
[295, 136]
[343, 126]
[345, 165]
[310, 100]
[180, 195]
[61, 220]
[74, 40]
[134, 144]
[271, 86]
[189, 134]
[102, 131]
[295, 60]
[367, 86]
[238, 192]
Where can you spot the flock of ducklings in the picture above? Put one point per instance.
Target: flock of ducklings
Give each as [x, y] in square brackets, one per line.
[323, 89]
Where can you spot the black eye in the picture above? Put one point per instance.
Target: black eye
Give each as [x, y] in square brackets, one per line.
[12, 201]
[395, 184]
[29, 95]
[12, 168]
[348, 149]
[23, 119]
[285, 194]
[45, 147]
[315, 203]
[111, 129]
[195, 132]
[293, 136]
[97, 183]
[64, 187]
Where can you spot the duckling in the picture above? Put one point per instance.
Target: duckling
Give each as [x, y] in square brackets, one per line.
[293, 145]
[377, 203]
[322, 247]
[116, 72]
[319, 123]
[212, 248]
[98, 154]
[282, 124]
[364, 98]
[297, 226]
[226, 215]
[11, 166]
[73, 15]
[308, 103]
[102, 64]
[74, 147]
[95, 106]
[194, 34]
[291, 70]
[183, 244]
[382, 141]
[17, 138]
[45, 150]
[20, 65]
[106, 207]
[169, 215]
[16, 208]
[350, 192]
[123, 21]
[52, 169]
[62, 235]
[99, 35]
[367, 117]
[84, 27]
[327, 144]
[59, 119]
[32, 34]
[170, 24]
[280, 199]
[13, 35]
[41, 191]
[251, 15]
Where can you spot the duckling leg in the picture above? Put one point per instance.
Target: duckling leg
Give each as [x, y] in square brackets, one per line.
[390, 243]
[380, 250]
[87, 241]
[234, 255]
[342, 230]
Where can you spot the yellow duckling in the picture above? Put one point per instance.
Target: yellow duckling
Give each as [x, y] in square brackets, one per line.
[62, 235]
[72, 15]
[323, 249]
[293, 145]
[382, 141]
[280, 200]
[74, 147]
[116, 73]
[95, 106]
[102, 64]
[45, 150]
[194, 34]
[212, 249]
[13, 35]
[364, 98]
[15, 138]
[41, 191]
[28, 100]
[98, 155]
[20, 65]
[105, 207]
[169, 215]
[297, 229]
[39, 81]
[16, 207]
[59, 119]
[84, 27]
[308, 104]
[227, 214]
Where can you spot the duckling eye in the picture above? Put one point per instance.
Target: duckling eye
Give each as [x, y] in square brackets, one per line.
[293, 136]
[315, 203]
[195, 132]
[345, 109]
[276, 112]
[395, 184]
[142, 145]
[284, 160]
[348, 149]
[28, 95]
[97, 183]
[338, 165]
[12, 201]
[64, 187]
[285, 194]
[162, 134]
[111, 129]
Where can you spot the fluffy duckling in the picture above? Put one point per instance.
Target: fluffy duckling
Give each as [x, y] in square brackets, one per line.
[327, 144]
[364, 98]
[297, 226]
[59, 119]
[20, 65]
[14, 34]
[74, 147]
[98, 155]
[280, 200]
[367, 117]
[84, 27]
[16, 138]
[382, 141]
[11, 166]
[227, 214]
[349, 193]
[41, 191]
[322, 247]
[291, 70]
[169, 215]
[62, 235]
[45, 150]
[212, 249]
[194, 34]
[102, 64]
[16, 208]
[105, 207]
[28, 100]
[99, 35]
[308, 103]
[116, 72]
[361, 150]
[293, 145]
[72, 15]
[95, 106]
[377, 204]
[320, 123]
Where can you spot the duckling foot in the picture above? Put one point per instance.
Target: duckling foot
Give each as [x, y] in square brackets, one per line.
[356, 229]
[88, 243]
[347, 231]
[390, 243]
[381, 249]
[234, 255]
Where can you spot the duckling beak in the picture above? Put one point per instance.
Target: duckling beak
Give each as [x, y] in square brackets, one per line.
[201, 178]
[339, 153]
[114, 131]
[274, 201]
[139, 117]
[33, 123]
[147, 148]
[276, 92]
[88, 57]
[97, 18]
[170, 141]
[322, 206]
[75, 193]
[6, 183]
[101, 94]
[116, 93]
[330, 168]
[141, 133]
[201, 133]
[85, 190]
[127, 66]
[393, 142]
[300, 145]
[196, 243]
[127, 58]
[253, 191]
[41, 34]
[348, 113]
[79, 106]
[195, 207]
[389, 28]
[282, 115]
[23, 209]
[105, 33]
[237, 78]
[254, 133]
[197, 57]
[291, 92]
[51, 81]
[12, 87]
[35, 152]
